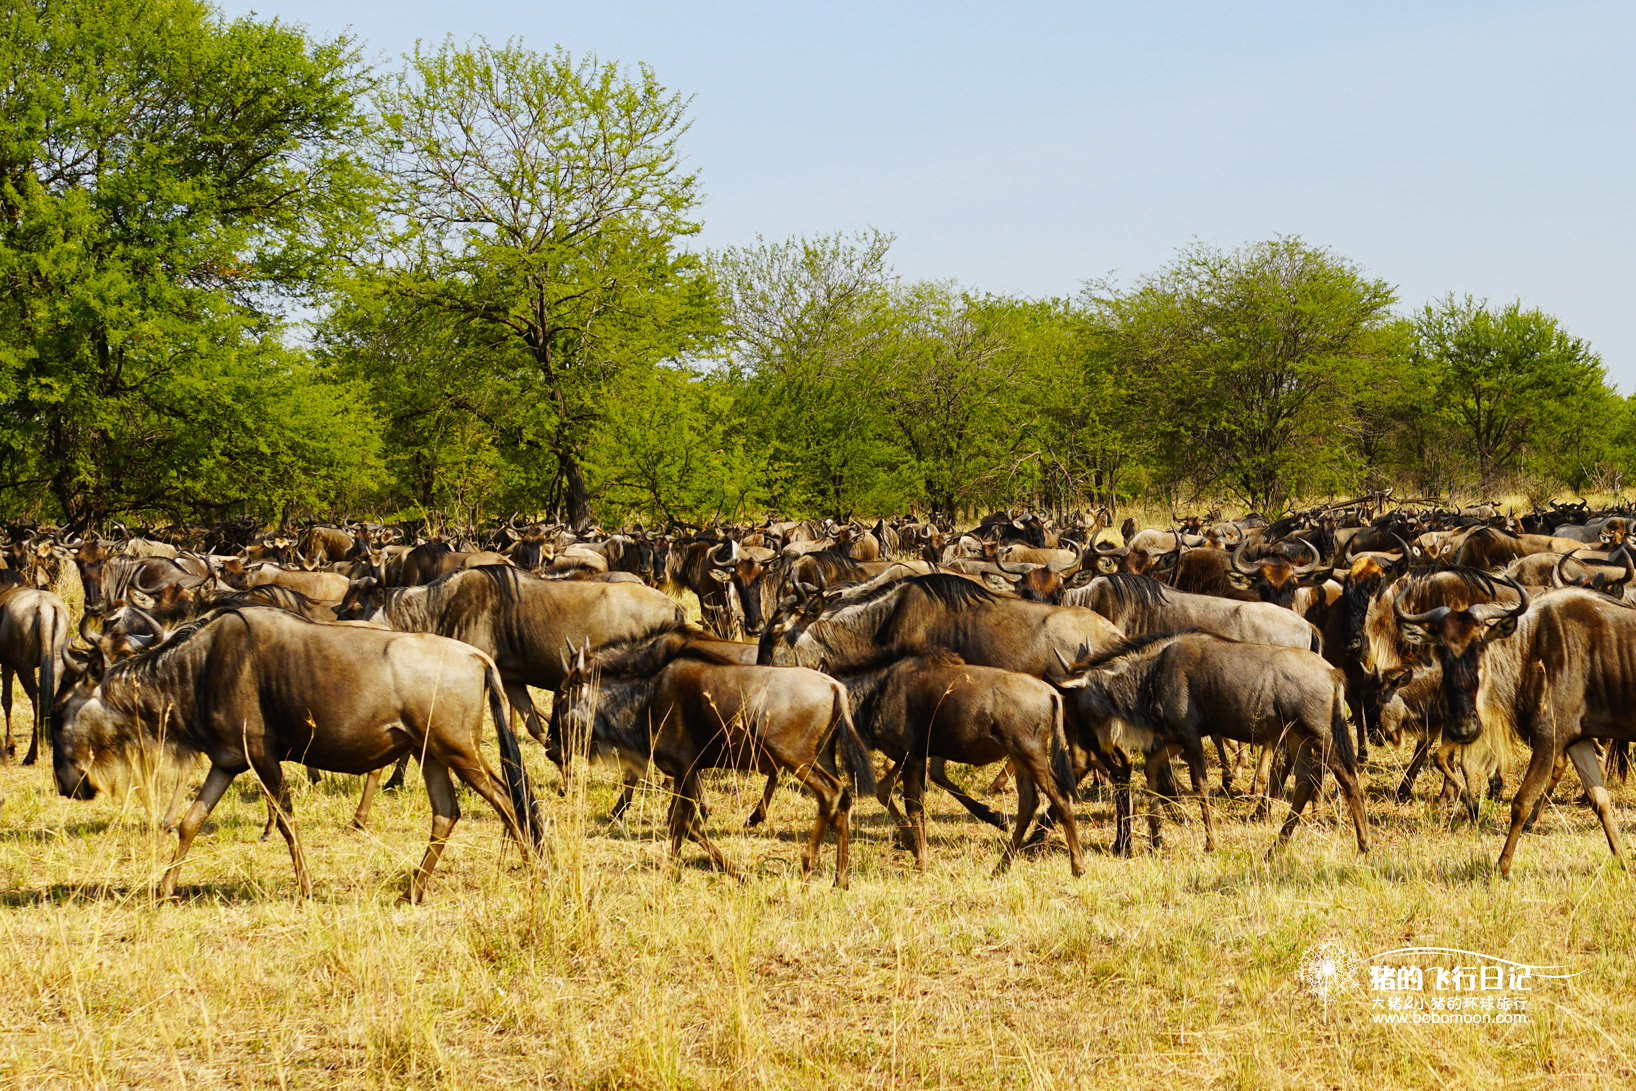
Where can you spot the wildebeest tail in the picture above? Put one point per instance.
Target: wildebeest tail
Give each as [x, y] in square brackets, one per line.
[52, 643]
[511, 763]
[1062, 766]
[1316, 643]
[1341, 732]
[852, 746]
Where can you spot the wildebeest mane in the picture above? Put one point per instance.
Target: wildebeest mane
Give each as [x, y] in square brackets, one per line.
[881, 658]
[652, 655]
[1135, 645]
[835, 566]
[1129, 589]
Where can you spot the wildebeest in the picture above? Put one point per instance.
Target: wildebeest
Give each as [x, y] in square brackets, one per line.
[1164, 693]
[34, 632]
[915, 704]
[699, 710]
[942, 611]
[1559, 673]
[253, 687]
[528, 625]
[1457, 636]
[1273, 578]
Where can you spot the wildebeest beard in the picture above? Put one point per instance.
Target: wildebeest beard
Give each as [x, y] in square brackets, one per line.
[604, 714]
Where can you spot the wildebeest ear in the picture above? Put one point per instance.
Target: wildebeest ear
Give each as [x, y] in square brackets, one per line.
[1075, 683]
[141, 599]
[1392, 679]
[1107, 565]
[1501, 629]
[721, 575]
[1415, 633]
[1239, 580]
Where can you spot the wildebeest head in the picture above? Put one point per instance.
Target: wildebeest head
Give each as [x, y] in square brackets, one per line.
[754, 574]
[1457, 638]
[1275, 579]
[1132, 559]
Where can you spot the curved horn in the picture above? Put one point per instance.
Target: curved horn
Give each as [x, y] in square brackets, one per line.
[1110, 550]
[1066, 665]
[1630, 567]
[1408, 550]
[1239, 564]
[1317, 560]
[1430, 617]
[1556, 572]
[1495, 611]
[1064, 567]
[732, 554]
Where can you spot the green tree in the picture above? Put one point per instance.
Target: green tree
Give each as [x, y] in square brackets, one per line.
[539, 200]
[1244, 363]
[1511, 380]
[810, 321]
[167, 179]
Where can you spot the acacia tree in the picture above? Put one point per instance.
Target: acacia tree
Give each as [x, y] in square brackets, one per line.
[167, 178]
[1509, 379]
[539, 199]
[1244, 362]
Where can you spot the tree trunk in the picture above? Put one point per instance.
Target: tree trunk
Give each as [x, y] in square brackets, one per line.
[575, 495]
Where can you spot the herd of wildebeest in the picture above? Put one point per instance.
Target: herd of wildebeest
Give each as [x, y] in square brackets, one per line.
[1058, 645]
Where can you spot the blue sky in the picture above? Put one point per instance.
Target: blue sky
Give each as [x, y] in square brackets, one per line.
[1482, 148]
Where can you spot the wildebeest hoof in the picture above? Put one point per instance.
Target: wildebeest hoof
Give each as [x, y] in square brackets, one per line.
[352, 827]
[756, 818]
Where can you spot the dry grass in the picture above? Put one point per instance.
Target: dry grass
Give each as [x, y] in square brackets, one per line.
[598, 969]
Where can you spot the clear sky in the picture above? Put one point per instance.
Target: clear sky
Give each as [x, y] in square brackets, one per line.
[1483, 148]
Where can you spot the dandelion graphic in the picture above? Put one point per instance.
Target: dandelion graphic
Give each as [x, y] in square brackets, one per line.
[1330, 969]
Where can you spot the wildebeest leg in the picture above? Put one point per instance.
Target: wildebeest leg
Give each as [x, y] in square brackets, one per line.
[1001, 779]
[1585, 760]
[1193, 754]
[272, 810]
[177, 795]
[828, 789]
[1158, 760]
[1308, 779]
[32, 691]
[684, 819]
[1123, 804]
[395, 781]
[1405, 790]
[1445, 765]
[759, 815]
[904, 837]
[1028, 801]
[445, 813]
[1226, 767]
[210, 794]
[914, 803]
[1528, 793]
[372, 781]
[1261, 784]
[1352, 793]
[626, 795]
[271, 774]
[1545, 796]
[938, 771]
[5, 701]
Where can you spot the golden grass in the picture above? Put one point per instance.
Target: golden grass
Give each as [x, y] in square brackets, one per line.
[598, 969]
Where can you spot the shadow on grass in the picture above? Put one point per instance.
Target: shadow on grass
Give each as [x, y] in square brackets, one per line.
[41, 834]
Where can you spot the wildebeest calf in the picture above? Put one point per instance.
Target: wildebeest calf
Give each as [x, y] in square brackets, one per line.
[931, 704]
[688, 709]
[1164, 693]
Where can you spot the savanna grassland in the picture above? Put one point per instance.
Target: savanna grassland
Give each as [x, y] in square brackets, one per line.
[597, 968]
